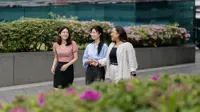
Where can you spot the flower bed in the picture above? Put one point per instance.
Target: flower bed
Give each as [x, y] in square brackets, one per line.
[157, 35]
[32, 34]
[159, 93]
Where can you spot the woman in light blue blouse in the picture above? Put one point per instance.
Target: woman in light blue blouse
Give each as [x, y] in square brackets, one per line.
[95, 51]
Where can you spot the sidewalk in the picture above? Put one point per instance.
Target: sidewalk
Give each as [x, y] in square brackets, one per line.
[8, 93]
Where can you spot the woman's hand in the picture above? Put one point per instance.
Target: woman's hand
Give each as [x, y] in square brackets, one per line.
[88, 62]
[100, 63]
[64, 67]
[53, 70]
[94, 63]
[133, 74]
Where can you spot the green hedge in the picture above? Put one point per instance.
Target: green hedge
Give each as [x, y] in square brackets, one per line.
[28, 34]
[159, 93]
[32, 34]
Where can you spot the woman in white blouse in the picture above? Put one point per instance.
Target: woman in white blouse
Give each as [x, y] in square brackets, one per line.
[120, 61]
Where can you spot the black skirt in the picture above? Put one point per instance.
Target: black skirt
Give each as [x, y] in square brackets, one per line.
[63, 79]
[94, 74]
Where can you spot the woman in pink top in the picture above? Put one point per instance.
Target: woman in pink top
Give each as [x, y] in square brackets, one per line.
[66, 53]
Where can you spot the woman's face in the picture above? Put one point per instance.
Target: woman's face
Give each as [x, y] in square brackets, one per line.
[114, 35]
[64, 34]
[94, 34]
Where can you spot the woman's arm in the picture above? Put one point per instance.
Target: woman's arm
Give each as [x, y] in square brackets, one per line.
[104, 50]
[85, 59]
[75, 53]
[132, 60]
[54, 64]
[55, 58]
[103, 61]
[74, 59]
[65, 66]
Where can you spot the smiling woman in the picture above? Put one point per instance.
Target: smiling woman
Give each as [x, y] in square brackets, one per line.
[65, 55]
[94, 52]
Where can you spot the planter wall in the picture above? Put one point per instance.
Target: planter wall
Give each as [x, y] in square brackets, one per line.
[164, 56]
[32, 67]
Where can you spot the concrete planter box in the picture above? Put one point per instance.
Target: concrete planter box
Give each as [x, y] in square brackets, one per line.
[165, 56]
[32, 67]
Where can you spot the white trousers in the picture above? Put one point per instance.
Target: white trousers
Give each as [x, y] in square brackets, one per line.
[114, 74]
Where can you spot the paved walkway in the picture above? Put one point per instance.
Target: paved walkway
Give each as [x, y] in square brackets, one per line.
[8, 93]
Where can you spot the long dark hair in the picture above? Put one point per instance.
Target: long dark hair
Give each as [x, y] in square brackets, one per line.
[59, 40]
[99, 29]
[122, 33]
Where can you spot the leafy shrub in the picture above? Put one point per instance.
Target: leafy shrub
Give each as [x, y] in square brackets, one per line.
[159, 93]
[28, 34]
[157, 35]
[32, 34]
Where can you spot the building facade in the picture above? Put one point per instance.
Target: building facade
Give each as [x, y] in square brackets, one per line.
[120, 12]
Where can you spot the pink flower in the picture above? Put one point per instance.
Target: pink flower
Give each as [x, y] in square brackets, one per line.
[183, 30]
[187, 35]
[70, 90]
[19, 109]
[1, 106]
[150, 33]
[41, 99]
[155, 77]
[90, 95]
[129, 87]
[177, 84]
[170, 86]
[183, 86]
